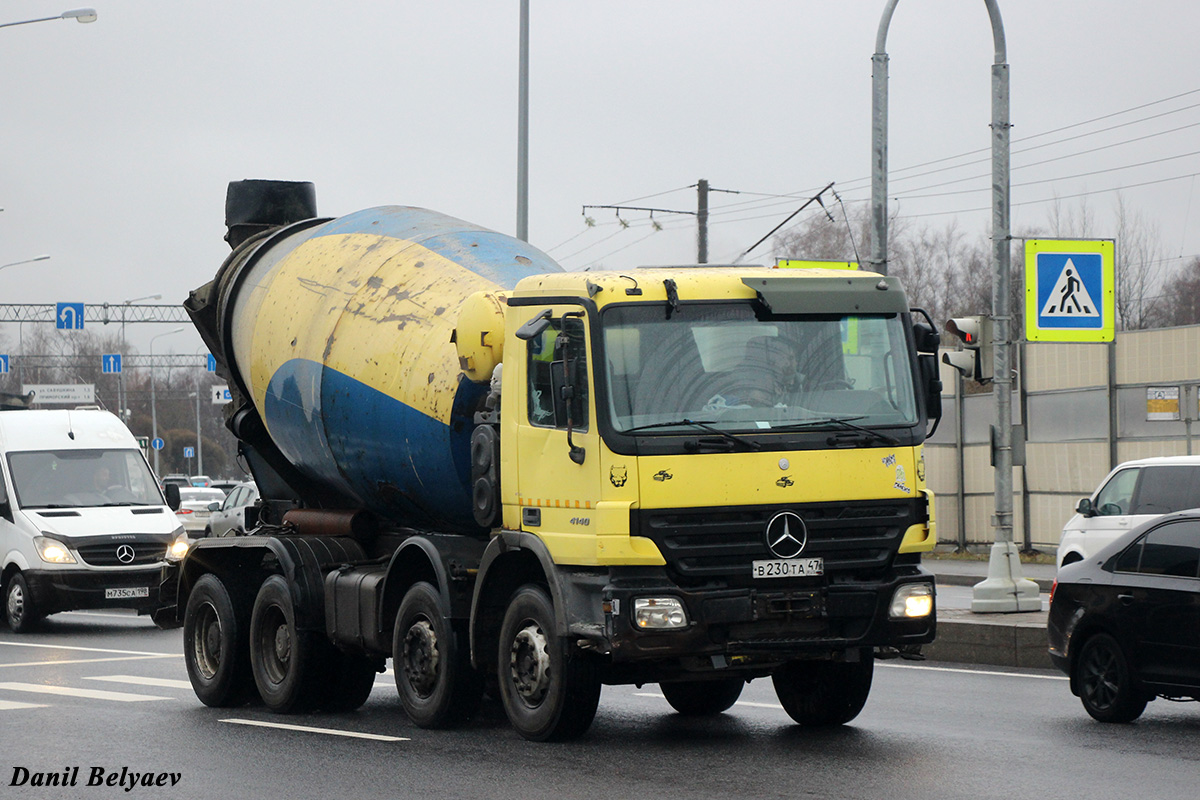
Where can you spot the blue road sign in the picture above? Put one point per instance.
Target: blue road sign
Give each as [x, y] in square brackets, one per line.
[111, 363]
[3, 364]
[189, 452]
[68, 316]
[157, 443]
[1070, 290]
[212, 363]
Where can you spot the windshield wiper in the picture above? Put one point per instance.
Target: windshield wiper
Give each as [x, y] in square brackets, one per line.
[704, 425]
[847, 424]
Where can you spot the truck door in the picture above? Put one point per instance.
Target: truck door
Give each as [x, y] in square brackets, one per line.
[558, 444]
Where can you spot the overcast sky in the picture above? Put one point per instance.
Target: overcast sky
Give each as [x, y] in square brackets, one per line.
[117, 138]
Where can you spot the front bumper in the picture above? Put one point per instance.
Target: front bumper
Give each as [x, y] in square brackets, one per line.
[73, 590]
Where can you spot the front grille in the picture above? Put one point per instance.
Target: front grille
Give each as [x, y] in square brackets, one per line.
[717, 544]
[105, 555]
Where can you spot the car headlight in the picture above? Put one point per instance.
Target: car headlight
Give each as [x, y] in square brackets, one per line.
[52, 551]
[659, 613]
[911, 601]
[179, 547]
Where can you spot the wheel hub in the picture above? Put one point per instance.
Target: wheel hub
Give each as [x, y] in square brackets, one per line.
[283, 644]
[530, 663]
[421, 657]
[16, 603]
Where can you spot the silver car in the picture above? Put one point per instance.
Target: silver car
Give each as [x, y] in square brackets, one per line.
[194, 505]
[229, 517]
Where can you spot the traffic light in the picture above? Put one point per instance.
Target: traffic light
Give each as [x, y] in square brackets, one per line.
[974, 356]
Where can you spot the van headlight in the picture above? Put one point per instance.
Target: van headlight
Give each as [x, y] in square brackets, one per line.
[52, 551]
[911, 601]
[179, 548]
[659, 613]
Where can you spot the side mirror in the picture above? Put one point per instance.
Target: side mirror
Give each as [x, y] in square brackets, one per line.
[214, 506]
[1084, 508]
[931, 382]
[535, 326]
[172, 492]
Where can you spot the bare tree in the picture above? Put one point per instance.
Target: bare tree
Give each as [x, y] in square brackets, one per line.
[1179, 302]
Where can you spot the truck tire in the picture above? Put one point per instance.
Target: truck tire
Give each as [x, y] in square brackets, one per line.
[438, 687]
[351, 679]
[824, 693]
[702, 698]
[20, 609]
[216, 646]
[289, 664]
[549, 692]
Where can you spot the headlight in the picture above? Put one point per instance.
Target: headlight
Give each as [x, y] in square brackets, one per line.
[53, 551]
[911, 601]
[178, 548]
[659, 613]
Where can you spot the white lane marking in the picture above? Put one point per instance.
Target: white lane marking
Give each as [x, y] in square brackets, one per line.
[90, 649]
[68, 691]
[165, 683]
[10, 705]
[307, 729]
[975, 671]
[78, 661]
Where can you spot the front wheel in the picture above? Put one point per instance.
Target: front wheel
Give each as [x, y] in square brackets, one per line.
[215, 644]
[824, 693]
[289, 664]
[437, 685]
[19, 607]
[703, 698]
[1106, 683]
[548, 692]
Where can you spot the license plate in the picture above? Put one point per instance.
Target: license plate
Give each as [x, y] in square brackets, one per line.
[788, 568]
[125, 593]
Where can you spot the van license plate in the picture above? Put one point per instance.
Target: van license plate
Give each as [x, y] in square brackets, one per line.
[788, 568]
[124, 593]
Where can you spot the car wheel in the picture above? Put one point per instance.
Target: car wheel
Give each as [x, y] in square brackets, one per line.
[19, 607]
[702, 698]
[1106, 683]
[824, 693]
[215, 645]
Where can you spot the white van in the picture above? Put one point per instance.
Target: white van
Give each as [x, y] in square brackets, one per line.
[1133, 493]
[83, 523]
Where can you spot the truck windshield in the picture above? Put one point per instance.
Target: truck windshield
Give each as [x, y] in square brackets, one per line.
[732, 369]
[82, 479]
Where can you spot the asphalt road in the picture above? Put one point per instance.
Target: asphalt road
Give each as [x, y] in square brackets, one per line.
[110, 691]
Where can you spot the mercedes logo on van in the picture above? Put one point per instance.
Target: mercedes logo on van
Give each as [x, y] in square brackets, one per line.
[125, 554]
[786, 534]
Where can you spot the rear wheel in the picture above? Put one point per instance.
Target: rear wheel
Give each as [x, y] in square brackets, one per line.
[824, 693]
[289, 664]
[701, 698]
[215, 644]
[1106, 683]
[437, 685]
[20, 609]
[548, 692]
[351, 677]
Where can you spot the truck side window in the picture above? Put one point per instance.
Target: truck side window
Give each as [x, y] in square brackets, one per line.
[549, 356]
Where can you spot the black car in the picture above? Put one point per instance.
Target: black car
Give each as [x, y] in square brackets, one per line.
[1125, 624]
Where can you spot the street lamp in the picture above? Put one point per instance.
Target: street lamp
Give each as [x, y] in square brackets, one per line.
[121, 399]
[25, 261]
[153, 406]
[78, 14]
[199, 441]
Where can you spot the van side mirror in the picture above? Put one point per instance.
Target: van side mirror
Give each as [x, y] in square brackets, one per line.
[1085, 508]
[5, 508]
[172, 492]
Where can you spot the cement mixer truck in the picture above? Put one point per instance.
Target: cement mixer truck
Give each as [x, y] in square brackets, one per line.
[525, 482]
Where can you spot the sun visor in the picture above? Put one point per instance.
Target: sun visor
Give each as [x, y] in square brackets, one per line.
[857, 294]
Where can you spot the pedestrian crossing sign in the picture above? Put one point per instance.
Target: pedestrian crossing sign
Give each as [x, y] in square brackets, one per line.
[1070, 290]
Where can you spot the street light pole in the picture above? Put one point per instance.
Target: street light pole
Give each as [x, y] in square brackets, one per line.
[24, 261]
[199, 441]
[122, 401]
[153, 404]
[78, 14]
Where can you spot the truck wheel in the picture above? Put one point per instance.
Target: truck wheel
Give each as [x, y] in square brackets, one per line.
[288, 663]
[824, 693]
[702, 698]
[548, 692]
[1106, 683]
[351, 679]
[215, 644]
[19, 607]
[437, 685]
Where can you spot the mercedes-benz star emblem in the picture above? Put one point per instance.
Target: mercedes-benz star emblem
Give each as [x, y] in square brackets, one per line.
[786, 534]
[125, 554]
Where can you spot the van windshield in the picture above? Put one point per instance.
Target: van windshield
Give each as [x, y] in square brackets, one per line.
[82, 479]
[741, 371]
